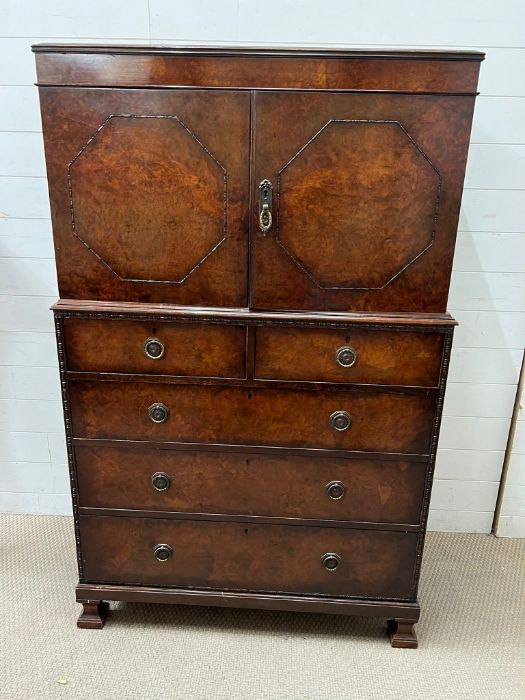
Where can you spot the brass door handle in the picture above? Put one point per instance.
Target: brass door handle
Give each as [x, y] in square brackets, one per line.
[265, 206]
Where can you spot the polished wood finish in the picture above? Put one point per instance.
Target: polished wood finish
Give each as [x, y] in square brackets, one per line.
[93, 615]
[415, 71]
[214, 272]
[256, 519]
[80, 308]
[111, 476]
[149, 194]
[384, 422]
[382, 357]
[248, 557]
[253, 449]
[99, 345]
[165, 221]
[364, 607]
[368, 190]
[252, 397]
[402, 634]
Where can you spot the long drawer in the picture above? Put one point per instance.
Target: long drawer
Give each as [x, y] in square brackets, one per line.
[242, 556]
[331, 488]
[379, 422]
[350, 355]
[151, 347]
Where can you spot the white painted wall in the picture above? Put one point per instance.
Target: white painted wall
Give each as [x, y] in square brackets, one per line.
[487, 294]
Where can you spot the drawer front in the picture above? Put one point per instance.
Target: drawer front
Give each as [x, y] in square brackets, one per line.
[380, 422]
[352, 355]
[148, 347]
[247, 557]
[232, 483]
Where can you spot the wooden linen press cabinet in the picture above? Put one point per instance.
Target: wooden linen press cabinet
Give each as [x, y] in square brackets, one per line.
[254, 251]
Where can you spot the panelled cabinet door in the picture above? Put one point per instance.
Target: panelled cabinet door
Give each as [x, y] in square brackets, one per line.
[149, 193]
[359, 201]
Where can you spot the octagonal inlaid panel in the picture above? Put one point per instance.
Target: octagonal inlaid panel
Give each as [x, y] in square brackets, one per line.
[369, 192]
[148, 198]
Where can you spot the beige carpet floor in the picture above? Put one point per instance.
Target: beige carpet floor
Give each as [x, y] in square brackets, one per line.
[472, 634]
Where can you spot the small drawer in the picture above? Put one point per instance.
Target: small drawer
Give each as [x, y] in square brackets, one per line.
[344, 420]
[353, 355]
[148, 347]
[242, 556]
[234, 483]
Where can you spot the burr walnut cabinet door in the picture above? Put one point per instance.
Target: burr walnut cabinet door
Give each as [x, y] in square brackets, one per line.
[149, 193]
[359, 200]
[249, 483]
[343, 420]
[243, 556]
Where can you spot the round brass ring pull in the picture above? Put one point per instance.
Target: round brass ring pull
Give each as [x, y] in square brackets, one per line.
[340, 421]
[346, 356]
[160, 481]
[162, 552]
[335, 490]
[330, 561]
[158, 412]
[153, 348]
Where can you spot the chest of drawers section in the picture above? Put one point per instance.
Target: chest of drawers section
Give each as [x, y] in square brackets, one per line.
[273, 463]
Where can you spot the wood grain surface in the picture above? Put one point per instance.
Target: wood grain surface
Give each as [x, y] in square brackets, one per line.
[382, 422]
[248, 557]
[111, 476]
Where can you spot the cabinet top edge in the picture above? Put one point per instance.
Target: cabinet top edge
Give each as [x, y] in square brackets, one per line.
[245, 315]
[256, 51]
